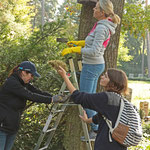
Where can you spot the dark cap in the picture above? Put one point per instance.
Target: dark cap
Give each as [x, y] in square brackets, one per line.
[29, 66]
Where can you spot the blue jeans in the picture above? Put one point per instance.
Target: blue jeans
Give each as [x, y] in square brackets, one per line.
[6, 140]
[88, 83]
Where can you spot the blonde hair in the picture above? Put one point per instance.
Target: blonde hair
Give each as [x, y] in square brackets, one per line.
[107, 7]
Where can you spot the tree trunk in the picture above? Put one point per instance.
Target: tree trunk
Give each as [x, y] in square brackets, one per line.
[86, 20]
[71, 129]
[142, 67]
[34, 19]
[112, 49]
[148, 52]
[43, 13]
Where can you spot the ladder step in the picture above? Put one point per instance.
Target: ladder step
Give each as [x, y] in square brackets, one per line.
[43, 147]
[49, 130]
[84, 140]
[66, 91]
[71, 104]
[58, 111]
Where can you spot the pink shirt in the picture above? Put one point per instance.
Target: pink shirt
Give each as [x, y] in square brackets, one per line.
[105, 42]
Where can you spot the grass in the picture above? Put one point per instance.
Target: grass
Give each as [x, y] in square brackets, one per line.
[140, 91]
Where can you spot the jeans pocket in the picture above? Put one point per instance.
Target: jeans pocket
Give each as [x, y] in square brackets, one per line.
[94, 71]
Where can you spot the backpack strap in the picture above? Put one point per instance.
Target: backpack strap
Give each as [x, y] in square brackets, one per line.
[120, 112]
[109, 123]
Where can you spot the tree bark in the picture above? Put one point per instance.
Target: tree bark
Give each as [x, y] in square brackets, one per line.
[72, 129]
[142, 67]
[148, 52]
[112, 49]
[86, 20]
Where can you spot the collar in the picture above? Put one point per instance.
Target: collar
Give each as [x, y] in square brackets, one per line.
[18, 78]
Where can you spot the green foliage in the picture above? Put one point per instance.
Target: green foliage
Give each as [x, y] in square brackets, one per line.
[71, 11]
[146, 129]
[50, 7]
[140, 90]
[143, 145]
[123, 52]
[39, 48]
[32, 123]
[136, 18]
[14, 19]
[134, 51]
[135, 21]
[15, 26]
[71, 14]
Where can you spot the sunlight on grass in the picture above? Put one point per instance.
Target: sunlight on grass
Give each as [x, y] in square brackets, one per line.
[140, 91]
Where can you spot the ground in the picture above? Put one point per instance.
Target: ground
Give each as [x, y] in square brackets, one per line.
[140, 92]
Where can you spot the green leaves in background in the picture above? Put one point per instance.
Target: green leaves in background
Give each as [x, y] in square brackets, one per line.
[136, 18]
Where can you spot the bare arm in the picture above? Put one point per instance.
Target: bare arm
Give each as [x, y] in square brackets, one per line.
[70, 86]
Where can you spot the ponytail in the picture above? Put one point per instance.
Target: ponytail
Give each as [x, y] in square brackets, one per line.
[115, 19]
[15, 69]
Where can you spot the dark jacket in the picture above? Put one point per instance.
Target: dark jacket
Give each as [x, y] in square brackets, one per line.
[13, 97]
[107, 104]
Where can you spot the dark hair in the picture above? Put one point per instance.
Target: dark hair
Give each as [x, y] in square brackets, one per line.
[118, 81]
[17, 71]
[14, 70]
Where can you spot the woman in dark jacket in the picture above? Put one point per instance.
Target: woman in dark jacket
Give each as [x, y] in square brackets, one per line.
[13, 97]
[105, 103]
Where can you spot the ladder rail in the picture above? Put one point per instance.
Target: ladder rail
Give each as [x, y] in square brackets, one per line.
[43, 132]
[55, 125]
[55, 110]
[84, 125]
[52, 130]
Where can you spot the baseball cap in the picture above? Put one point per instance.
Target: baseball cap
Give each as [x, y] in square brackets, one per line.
[29, 66]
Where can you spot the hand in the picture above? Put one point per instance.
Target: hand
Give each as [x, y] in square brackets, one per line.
[59, 98]
[84, 117]
[62, 72]
[70, 86]
[76, 43]
[71, 50]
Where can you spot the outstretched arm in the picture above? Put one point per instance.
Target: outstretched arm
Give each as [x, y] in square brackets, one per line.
[70, 86]
[94, 101]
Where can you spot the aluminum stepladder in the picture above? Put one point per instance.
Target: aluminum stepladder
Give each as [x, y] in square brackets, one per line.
[55, 110]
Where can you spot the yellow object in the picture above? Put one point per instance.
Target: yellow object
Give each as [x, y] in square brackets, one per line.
[76, 43]
[71, 50]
